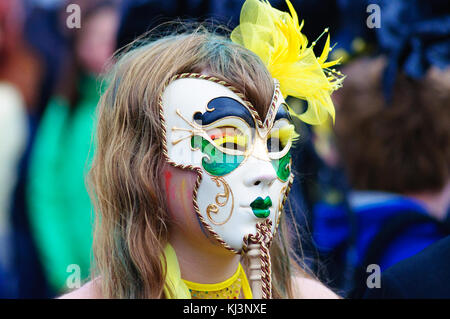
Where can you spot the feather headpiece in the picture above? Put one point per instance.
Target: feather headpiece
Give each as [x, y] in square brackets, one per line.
[275, 36]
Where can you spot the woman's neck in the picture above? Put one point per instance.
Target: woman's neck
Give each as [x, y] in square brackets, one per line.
[203, 263]
[437, 203]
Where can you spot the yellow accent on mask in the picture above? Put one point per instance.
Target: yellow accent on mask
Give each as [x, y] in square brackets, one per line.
[239, 140]
[285, 133]
[276, 37]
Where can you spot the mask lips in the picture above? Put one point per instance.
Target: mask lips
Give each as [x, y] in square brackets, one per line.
[260, 207]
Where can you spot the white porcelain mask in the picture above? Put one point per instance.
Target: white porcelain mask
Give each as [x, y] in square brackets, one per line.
[244, 164]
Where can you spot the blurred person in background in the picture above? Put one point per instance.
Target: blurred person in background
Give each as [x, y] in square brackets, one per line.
[19, 79]
[392, 140]
[46, 32]
[397, 159]
[393, 136]
[59, 205]
[13, 132]
[43, 32]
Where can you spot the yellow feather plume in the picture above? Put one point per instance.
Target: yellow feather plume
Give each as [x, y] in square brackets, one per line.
[276, 37]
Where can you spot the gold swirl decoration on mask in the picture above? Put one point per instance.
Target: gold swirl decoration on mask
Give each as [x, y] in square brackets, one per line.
[221, 200]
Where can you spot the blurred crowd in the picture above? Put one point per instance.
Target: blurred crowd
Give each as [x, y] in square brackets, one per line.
[373, 188]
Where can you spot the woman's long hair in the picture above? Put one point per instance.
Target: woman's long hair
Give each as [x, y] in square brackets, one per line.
[132, 220]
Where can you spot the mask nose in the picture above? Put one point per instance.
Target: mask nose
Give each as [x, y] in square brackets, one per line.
[260, 174]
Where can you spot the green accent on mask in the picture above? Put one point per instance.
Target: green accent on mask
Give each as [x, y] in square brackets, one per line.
[261, 206]
[219, 163]
[282, 167]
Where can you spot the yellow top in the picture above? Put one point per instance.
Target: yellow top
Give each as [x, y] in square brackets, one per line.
[177, 288]
[228, 289]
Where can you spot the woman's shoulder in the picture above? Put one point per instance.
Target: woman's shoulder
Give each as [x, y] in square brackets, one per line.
[308, 288]
[88, 291]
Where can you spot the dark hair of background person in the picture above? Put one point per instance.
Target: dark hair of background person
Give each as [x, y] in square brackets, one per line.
[400, 147]
[71, 66]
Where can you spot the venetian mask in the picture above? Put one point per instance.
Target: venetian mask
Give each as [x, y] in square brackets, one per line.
[243, 162]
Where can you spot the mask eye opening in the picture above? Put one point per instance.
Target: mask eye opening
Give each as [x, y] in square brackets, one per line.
[229, 138]
[280, 140]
